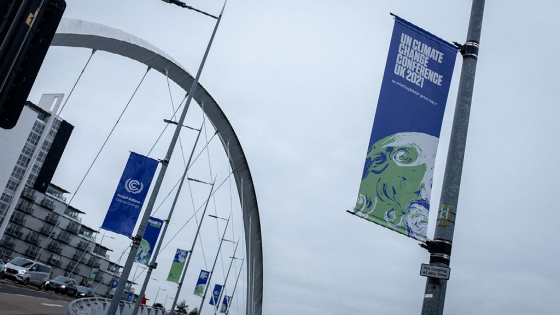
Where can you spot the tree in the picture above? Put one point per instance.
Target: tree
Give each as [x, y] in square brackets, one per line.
[182, 307]
[157, 305]
[194, 312]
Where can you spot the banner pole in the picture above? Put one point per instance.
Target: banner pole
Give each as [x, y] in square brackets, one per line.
[153, 263]
[112, 310]
[190, 253]
[225, 281]
[213, 266]
[440, 247]
[235, 286]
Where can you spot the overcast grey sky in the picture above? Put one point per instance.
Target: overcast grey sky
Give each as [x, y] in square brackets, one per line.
[299, 82]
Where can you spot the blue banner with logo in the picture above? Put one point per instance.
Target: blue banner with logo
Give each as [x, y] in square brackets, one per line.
[214, 299]
[225, 304]
[130, 194]
[149, 240]
[201, 283]
[398, 172]
[113, 288]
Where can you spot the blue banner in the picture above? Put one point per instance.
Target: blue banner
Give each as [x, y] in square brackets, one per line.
[113, 288]
[201, 283]
[149, 240]
[397, 176]
[214, 299]
[225, 304]
[130, 194]
[130, 296]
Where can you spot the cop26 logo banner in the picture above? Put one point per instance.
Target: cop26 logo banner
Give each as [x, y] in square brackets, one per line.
[149, 240]
[130, 194]
[398, 172]
[214, 299]
[201, 283]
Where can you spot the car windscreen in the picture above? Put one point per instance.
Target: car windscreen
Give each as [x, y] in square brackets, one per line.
[62, 279]
[21, 262]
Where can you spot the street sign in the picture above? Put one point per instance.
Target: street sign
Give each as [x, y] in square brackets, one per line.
[435, 271]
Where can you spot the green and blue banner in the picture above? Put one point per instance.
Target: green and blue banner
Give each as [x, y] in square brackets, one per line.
[201, 283]
[113, 288]
[130, 194]
[177, 266]
[225, 304]
[149, 240]
[398, 172]
[214, 299]
[92, 275]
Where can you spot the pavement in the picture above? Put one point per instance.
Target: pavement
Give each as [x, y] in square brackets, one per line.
[17, 299]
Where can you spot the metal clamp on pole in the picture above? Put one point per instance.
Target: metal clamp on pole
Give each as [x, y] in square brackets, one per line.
[440, 251]
[470, 49]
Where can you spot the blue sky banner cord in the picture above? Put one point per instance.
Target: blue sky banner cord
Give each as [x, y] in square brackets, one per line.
[149, 240]
[130, 194]
[398, 172]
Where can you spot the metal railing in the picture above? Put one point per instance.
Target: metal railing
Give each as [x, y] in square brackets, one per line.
[100, 306]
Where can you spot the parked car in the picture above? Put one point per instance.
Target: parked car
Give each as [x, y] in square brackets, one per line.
[84, 292]
[2, 269]
[63, 285]
[27, 271]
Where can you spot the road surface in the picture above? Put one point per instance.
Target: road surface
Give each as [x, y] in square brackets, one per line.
[16, 299]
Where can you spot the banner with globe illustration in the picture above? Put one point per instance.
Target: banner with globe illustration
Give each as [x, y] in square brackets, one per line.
[225, 304]
[131, 192]
[149, 240]
[201, 283]
[177, 266]
[398, 172]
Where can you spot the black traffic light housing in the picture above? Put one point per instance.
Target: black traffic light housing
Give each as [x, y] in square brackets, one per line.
[26, 31]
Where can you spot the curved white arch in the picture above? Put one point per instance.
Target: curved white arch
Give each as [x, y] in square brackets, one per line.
[78, 33]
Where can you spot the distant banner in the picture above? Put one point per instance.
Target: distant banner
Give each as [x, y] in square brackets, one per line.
[177, 266]
[214, 299]
[397, 177]
[201, 283]
[130, 194]
[113, 288]
[130, 296]
[225, 304]
[92, 275]
[149, 241]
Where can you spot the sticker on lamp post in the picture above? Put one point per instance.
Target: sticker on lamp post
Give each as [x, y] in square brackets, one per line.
[432, 271]
[443, 215]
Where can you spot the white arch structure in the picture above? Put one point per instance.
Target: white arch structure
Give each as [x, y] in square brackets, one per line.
[78, 33]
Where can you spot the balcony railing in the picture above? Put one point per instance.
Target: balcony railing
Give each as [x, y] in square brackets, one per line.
[25, 207]
[16, 217]
[55, 262]
[73, 228]
[32, 253]
[7, 244]
[54, 248]
[46, 230]
[84, 246]
[64, 238]
[52, 219]
[13, 232]
[33, 239]
[93, 263]
[99, 278]
[28, 193]
[47, 203]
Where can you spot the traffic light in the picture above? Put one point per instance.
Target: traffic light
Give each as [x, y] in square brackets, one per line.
[26, 31]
